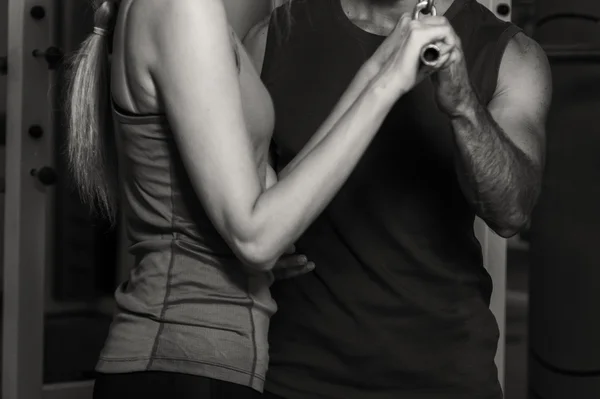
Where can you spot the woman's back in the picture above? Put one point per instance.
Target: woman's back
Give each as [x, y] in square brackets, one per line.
[157, 190]
[188, 305]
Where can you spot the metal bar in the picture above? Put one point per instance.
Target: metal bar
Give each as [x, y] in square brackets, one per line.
[494, 259]
[26, 203]
[493, 246]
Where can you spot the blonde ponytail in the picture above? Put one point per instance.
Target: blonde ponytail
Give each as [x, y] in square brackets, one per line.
[90, 142]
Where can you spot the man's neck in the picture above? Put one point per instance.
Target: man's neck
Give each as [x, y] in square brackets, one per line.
[380, 16]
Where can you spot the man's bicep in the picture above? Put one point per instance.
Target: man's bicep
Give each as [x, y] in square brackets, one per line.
[522, 99]
[256, 42]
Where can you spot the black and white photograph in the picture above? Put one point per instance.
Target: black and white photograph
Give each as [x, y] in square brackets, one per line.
[300, 199]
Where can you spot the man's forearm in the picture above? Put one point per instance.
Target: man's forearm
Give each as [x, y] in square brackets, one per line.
[497, 177]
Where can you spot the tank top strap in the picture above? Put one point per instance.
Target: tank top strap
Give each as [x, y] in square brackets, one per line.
[127, 118]
[484, 39]
[489, 81]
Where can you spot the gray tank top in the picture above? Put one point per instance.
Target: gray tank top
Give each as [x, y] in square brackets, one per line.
[187, 306]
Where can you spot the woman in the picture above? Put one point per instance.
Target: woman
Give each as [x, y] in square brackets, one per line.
[204, 211]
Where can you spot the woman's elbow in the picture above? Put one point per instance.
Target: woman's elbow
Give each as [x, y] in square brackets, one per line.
[257, 254]
[254, 243]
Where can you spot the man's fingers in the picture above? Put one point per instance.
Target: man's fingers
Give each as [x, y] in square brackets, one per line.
[290, 250]
[447, 60]
[444, 48]
[282, 274]
[287, 261]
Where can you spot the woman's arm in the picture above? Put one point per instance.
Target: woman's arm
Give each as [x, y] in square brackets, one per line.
[195, 72]
[255, 43]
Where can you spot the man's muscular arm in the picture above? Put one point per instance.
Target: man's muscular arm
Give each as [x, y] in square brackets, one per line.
[501, 148]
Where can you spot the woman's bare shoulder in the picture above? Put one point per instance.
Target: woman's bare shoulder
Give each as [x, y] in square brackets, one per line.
[171, 14]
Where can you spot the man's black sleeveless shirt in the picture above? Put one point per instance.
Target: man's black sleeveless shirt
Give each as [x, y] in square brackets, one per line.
[398, 306]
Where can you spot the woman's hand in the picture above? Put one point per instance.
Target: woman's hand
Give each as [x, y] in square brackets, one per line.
[397, 61]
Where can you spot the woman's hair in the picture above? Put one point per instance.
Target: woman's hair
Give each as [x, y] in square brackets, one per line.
[285, 13]
[91, 149]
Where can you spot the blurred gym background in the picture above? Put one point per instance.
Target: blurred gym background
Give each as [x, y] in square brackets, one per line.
[553, 268]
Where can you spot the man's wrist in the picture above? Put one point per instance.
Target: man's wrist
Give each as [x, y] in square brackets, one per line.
[468, 108]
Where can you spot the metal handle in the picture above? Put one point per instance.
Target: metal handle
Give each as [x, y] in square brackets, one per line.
[430, 54]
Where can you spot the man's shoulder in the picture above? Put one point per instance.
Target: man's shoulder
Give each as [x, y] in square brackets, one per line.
[524, 72]
[523, 52]
[521, 45]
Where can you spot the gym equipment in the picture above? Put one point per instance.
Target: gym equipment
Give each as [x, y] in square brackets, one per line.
[493, 246]
[51, 283]
[28, 205]
[430, 53]
[564, 276]
[502, 9]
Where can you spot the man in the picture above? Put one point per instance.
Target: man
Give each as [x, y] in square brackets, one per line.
[398, 305]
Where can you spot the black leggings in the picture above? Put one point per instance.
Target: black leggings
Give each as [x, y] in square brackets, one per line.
[167, 385]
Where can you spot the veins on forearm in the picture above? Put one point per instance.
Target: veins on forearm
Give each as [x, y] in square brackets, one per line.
[497, 177]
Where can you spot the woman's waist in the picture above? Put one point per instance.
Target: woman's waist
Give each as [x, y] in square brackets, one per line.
[237, 347]
[179, 281]
[150, 231]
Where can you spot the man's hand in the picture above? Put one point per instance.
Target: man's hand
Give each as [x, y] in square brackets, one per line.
[453, 87]
[290, 264]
